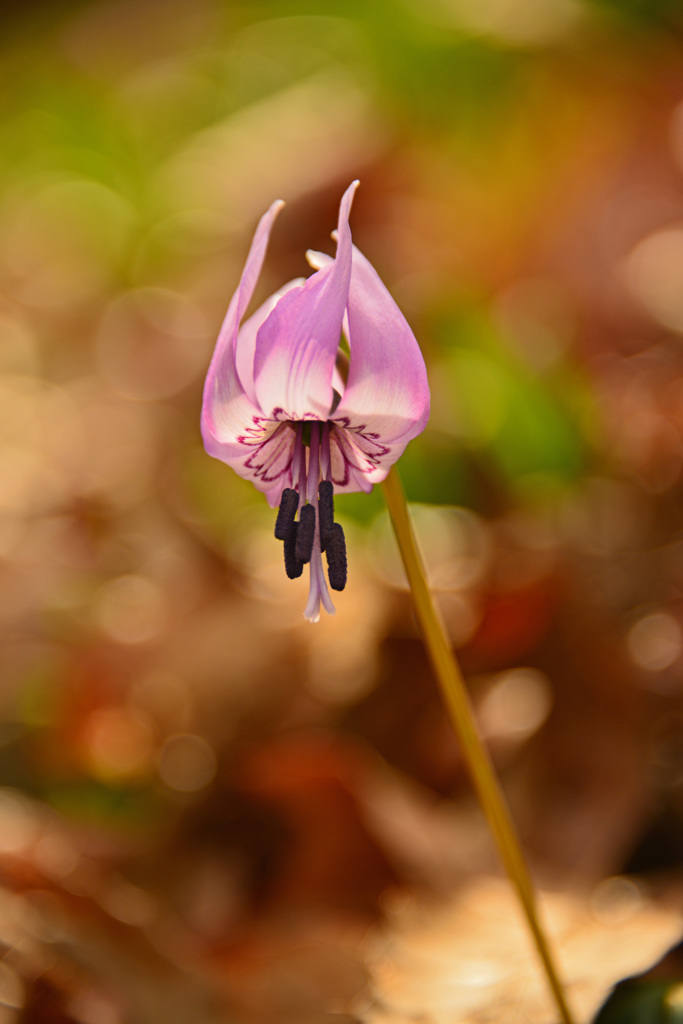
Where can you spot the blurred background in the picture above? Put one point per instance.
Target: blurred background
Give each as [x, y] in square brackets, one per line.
[206, 802]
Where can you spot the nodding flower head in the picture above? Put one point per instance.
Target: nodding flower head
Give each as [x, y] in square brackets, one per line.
[320, 390]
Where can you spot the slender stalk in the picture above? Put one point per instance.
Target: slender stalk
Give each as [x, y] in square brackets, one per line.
[456, 697]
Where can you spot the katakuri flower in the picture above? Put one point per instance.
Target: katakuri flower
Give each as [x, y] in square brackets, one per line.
[320, 390]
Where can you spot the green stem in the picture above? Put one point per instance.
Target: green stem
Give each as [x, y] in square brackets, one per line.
[456, 697]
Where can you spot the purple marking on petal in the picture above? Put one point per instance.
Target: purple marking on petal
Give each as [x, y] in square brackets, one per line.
[352, 467]
[273, 457]
[258, 430]
[296, 345]
[369, 446]
[262, 453]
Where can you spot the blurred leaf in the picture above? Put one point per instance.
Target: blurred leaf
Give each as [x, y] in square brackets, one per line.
[654, 14]
[436, 471]
[107, 806]
[516, 418]
[469, 960]
[642, 1002]
[217, 496]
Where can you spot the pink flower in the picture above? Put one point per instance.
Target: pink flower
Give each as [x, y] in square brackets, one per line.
[286, 409]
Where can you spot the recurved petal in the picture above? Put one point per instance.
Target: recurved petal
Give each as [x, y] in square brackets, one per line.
[227, 411]
[246, 337]
[296, 346]
[386, 398]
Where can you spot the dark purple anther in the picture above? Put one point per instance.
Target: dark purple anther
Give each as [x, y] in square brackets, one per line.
[284, 524]
[325, 512]
[305, 534]
[336, 558]
[293, 567]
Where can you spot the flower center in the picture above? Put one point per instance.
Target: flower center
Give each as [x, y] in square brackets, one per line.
[315, 531]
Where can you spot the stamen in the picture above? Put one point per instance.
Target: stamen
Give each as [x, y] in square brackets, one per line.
[293, 566]
[318, 593]
[299, 461]
[311, 472]
[337, 569]
[313, 462]
[325, 454]
[284, 524]
[325, 512]
[305, 534]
